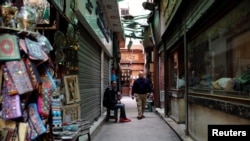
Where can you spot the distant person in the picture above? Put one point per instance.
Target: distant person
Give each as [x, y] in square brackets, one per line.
[112, 99]
[140, 91]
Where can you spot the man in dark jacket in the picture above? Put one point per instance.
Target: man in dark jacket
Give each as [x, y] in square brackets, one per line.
[140, 90]
[111, 99]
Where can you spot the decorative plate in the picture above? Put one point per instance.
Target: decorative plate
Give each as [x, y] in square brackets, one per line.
[59, 56]
[59, 39]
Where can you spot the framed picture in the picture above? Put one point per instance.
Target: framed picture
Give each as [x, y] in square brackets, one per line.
[9, 49]
[71, 113]
[71, 89]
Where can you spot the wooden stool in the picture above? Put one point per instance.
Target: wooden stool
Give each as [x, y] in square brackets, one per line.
[112, 114]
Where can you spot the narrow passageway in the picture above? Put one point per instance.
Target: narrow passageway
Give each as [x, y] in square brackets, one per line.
[150, 128]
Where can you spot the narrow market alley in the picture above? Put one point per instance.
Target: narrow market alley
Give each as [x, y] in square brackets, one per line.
[151, 128]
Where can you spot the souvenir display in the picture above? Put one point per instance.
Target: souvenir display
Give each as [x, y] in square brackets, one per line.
[30, 97]
[26, 18]
[8, 14]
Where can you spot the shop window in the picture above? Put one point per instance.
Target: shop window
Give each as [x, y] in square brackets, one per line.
[221, 65]
[43, 9]
[124, 11]
[176, 69]
[125, 78]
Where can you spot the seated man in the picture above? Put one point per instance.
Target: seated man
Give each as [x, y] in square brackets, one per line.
[111, 100]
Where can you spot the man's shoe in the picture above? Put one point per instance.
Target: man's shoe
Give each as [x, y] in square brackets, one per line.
[128, 119]
[124, 120]
[139, 117]
[143, 116]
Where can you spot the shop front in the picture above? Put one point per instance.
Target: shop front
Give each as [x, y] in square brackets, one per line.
[218, 67]
[64, 62]
[207, 65]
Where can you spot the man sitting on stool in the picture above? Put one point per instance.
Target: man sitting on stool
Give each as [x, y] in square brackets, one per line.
[111, 100]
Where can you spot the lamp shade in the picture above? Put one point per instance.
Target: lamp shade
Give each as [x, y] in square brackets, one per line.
[130, 44]
[148, 6]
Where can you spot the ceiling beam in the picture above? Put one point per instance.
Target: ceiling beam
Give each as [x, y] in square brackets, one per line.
[135, 37]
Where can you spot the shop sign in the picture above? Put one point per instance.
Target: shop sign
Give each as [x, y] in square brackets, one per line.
[89, 13]
[168, 8]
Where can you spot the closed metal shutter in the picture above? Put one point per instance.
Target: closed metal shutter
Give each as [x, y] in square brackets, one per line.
[89, 56]
[106, 71]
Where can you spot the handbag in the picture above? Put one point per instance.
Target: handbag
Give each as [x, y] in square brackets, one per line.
[36, 125]
[11, 106]
[47, 88]
[9, 49]
[19, 75]
[33, 73]
[10, 86]
[34, 50]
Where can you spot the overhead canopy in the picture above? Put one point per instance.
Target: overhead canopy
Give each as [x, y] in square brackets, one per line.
[135, 20]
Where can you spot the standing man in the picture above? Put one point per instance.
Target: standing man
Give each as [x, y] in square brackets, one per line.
[140, 90]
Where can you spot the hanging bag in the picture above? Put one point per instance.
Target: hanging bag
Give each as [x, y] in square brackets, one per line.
[11, 106]
[19, 75]
[36, 125]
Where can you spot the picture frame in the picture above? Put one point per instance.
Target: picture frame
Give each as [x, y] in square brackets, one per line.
[71, 113]
[9, 49]
[71, 87]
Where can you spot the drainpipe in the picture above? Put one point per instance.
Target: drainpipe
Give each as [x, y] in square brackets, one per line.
[186, 78]
[166, 96]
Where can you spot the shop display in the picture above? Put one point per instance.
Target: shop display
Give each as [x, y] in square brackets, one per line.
[32, 88]
[22, 52]
[21, 86]
[8, 14]
[26, 18]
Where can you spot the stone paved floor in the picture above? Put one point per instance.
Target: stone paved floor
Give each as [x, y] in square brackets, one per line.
[151, 128]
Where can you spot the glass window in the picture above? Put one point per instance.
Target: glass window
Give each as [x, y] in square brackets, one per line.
[124, 11]
[221, 64]
[176, 69]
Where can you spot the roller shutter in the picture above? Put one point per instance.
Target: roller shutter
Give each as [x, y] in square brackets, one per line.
[89, 56]
[106, 71]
